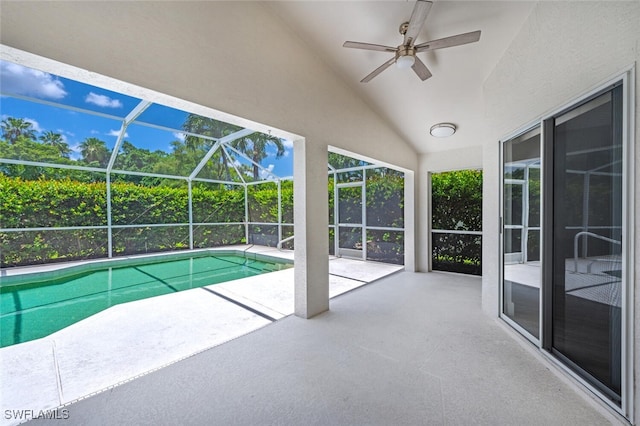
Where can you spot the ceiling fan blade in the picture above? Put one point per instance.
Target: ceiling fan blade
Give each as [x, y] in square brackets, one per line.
[421, 69]
[456, 40]
[378, 70]
[418, 16]
[369, 46]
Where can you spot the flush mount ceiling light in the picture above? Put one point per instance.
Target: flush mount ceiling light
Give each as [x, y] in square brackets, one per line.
[442, 130]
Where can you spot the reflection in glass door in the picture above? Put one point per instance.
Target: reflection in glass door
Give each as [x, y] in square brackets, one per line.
[587, 237]
[350, 220]
[521, 231]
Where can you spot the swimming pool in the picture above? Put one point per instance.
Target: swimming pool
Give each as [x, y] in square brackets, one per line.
[35, 305]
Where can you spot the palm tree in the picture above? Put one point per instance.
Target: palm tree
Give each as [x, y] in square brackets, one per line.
[55, 140]
[212, 128]
[13, 128]
[94, 150]
[253, 146]
[258, 150]
[206, 127]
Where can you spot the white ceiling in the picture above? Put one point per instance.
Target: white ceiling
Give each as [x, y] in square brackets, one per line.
[410, 105]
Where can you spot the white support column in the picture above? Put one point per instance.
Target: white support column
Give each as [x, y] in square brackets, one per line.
[311, 221]
[410, 212]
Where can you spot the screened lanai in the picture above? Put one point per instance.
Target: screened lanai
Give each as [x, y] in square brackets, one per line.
[91, 173]
[114, 175]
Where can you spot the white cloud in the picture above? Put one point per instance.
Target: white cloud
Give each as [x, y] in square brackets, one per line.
[95, 132]
[75, 152]
[272, 151]
[102, 101]
[34, 124]
[179, 136]
[116, 133]
[288, 147]
[287, 144]
[29, 82]
[65, 132]
[264, 174]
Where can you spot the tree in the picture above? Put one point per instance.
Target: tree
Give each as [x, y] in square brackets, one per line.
[13, 128]
[56, 140]
[94, 150]
[339, 161]
[257, 150]
[218, 165]
[27, 149]
[207, 127]
[253, 146]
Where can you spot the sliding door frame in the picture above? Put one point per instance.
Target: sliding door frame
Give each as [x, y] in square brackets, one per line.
[544, 343]
[520, 132]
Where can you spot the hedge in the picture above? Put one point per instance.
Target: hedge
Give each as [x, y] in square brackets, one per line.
[385, 208]
[66, 202]
[457, 205]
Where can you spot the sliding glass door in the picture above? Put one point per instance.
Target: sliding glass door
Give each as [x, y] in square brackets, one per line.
[587, 241]
[565, 225]
[521, 231]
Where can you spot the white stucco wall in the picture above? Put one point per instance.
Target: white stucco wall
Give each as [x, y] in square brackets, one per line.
[563, 50]
[234, 57]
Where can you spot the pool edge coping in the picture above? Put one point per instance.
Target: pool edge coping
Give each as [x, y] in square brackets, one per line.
[62, 270]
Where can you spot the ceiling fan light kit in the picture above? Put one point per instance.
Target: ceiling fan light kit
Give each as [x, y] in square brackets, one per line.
[405, 62]
[405, 54]
[442, 130]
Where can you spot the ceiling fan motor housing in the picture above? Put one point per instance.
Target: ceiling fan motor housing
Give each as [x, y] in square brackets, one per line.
[405, 51]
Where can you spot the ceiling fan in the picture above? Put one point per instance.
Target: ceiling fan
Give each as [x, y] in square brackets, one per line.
[405, 54]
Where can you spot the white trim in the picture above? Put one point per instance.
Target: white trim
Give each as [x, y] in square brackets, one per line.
[628, 273]
[455, 231]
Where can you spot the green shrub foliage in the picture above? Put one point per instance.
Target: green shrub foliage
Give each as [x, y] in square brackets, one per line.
[79, 199]
[457, 200]
[385, 208]
[47, 203]
[457, 205]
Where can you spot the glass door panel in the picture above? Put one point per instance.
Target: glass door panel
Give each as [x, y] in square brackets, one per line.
[587, 241]
[521, 231]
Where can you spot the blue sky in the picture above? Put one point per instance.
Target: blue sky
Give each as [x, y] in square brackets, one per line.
[76, 126]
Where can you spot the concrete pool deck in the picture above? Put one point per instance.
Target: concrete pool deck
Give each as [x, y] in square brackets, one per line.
[133, 339]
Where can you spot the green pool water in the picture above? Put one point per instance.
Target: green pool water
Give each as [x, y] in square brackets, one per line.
[31, 311]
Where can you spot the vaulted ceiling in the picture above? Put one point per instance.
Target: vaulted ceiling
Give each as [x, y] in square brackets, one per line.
[412, 106]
